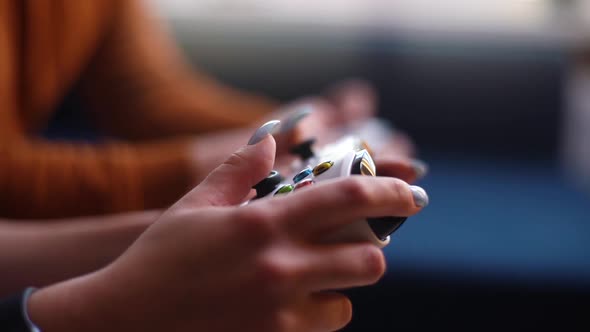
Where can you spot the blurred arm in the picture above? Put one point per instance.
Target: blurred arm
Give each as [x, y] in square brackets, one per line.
[56, 180]
[41, 253]
[139, 86]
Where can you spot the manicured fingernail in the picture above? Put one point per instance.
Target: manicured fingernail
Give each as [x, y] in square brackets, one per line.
[264, 130]
[293, 119]
[420, 196]
[420, 167]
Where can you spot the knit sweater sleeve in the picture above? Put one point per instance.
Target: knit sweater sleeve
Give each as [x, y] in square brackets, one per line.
[139, 86]
[48, 180]
[142, 93]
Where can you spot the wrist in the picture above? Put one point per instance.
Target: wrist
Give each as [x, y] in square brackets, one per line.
[67, 306]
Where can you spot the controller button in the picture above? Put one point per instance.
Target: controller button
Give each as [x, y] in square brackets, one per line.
[321, 168]
[302, 175]
[304, 183]
[284, 189]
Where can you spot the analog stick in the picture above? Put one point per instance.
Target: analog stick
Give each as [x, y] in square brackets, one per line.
[303, 149]
[268, 184]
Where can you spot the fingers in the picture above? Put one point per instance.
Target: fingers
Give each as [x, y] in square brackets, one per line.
[324, 207]
[355, 98]
[290, 132]
[405, 169]
[319, 312]
[341, 266]
[232, 181]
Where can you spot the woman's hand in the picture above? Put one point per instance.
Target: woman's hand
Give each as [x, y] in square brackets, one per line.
[326, 118]
[209, 264]
[340, 110]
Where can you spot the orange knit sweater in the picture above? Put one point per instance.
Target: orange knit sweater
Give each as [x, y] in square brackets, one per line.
[139, 90]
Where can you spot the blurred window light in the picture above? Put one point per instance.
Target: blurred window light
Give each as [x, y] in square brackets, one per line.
[538, 17]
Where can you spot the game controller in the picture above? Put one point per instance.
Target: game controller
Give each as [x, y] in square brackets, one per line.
[348, 156]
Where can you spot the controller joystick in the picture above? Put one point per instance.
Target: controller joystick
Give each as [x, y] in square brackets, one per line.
[303, 149]
[268, 184]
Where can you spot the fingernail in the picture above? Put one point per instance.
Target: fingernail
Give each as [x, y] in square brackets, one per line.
[420, 196]
[264, 130]
[293, 119]
[420, 167]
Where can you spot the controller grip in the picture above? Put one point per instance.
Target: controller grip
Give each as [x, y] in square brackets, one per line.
[374, 230]
[385, 226]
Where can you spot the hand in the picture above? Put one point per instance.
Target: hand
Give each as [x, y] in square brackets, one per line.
[343, 105]
[209, 264]
[339, 111]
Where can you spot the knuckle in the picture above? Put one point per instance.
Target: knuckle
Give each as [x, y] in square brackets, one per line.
[255, 223]
[284, 321]
[402, 193]
[374, 261]
[240, 158]
[275, 275]
[357, 191]
[235, 159]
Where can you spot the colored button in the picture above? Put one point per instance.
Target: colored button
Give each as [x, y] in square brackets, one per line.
[321, 168]
[304, 183]
[284, 189]
[302, 175]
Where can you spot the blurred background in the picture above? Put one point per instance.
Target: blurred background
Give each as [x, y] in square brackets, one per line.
[496, 95]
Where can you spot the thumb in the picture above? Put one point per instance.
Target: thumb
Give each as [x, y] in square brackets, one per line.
[231, 182]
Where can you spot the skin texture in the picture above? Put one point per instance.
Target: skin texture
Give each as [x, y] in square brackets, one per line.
[41, 253]
[208, 264]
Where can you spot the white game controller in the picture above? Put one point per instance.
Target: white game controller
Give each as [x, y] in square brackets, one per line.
[348, 156]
